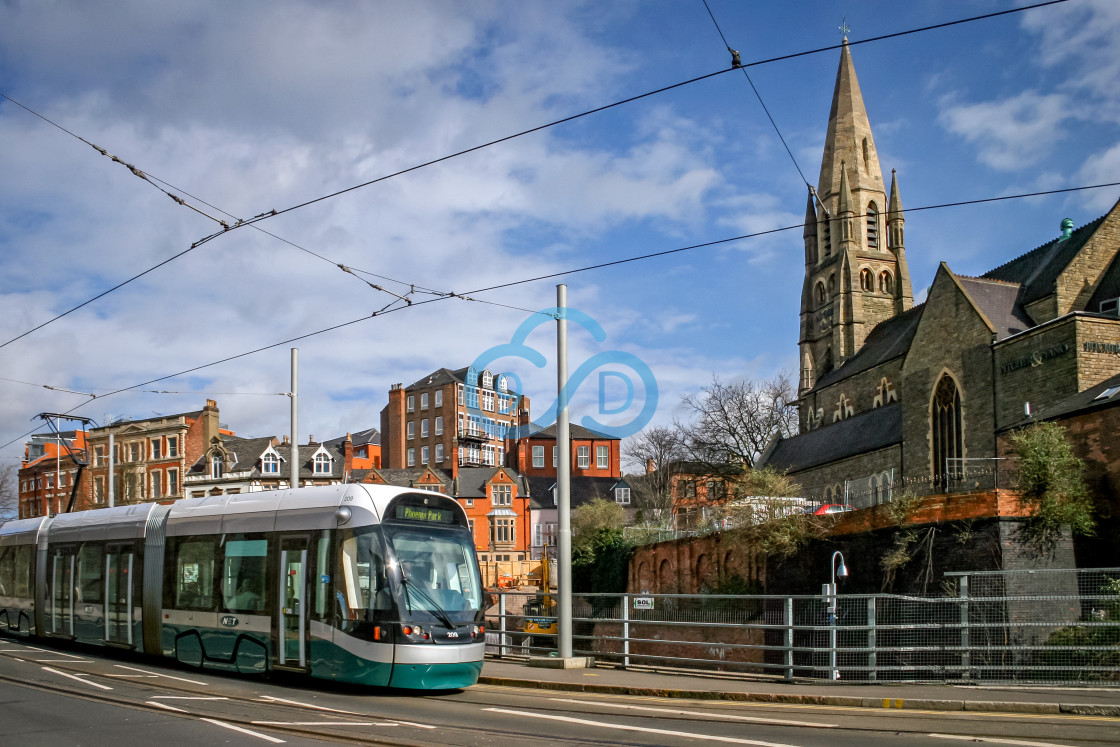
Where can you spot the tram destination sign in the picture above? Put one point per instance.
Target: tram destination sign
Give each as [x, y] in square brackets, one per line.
[424, 513]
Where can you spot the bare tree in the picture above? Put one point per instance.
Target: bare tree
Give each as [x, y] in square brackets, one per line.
[9, 490]
[655, 454]
[734, 423]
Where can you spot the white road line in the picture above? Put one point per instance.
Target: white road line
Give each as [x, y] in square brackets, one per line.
[271, 699]
[61, 653]
[189, 697]
[324, 723]
[994, 740]
[224, 725]
[62, 661]
[157, 674]
[705, 714]
[166, 707]
[644, 729]
[75, 677]
[135, 676]
[16, 658]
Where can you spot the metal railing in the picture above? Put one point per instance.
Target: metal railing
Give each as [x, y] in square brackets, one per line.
[1037, 627]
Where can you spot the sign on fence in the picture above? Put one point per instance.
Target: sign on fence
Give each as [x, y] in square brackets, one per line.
[643, 603]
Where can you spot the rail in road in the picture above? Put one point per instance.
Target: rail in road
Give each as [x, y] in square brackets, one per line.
[255, 711]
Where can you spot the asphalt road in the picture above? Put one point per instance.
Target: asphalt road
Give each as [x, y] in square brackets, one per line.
[71, 696]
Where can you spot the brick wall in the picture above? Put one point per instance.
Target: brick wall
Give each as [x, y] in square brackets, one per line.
[1039, 367]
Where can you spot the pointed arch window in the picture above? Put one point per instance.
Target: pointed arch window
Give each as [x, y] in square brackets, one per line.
[946, 423]
[216, 465]
[821, 296]
[827, 235]
[832, 285]
[807, 371]
[866, 281]
[872, 226]
[886, 282]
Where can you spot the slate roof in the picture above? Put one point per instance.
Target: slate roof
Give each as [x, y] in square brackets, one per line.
[999, 300]
[889, 339]
[574, 431]
[246, 451]
[368, 436]
[863, 433]
[471, 482]
[1078, 404]
[404, 478]
[440, 377]
[582, 490]
[1038, 270]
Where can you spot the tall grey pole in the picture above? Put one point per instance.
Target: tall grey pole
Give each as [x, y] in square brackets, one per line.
[112, 459]
[563, 480]
[295, 420]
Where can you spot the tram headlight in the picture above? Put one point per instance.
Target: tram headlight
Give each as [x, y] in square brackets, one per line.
[476, 631]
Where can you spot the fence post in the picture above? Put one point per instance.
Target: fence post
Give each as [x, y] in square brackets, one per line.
[625, 631]
[789, 639]
[873, 653]
[502, 623]
[965, 645]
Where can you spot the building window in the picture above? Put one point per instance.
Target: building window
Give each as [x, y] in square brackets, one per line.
[827, 236]
[622, 495]
[423, 400]
[459, 393]
[424, 455]
[583, 457]
[555, 455]
[411, 403]
[886, 283]
[501, 495]
[424, 428]
[488, 400]
[172, 482]
[831, 285]
[410, 428]
[439, 425]
[821, 295]
[538, 457]
[216, 465]
[503, 530]
[172, 446]
[134, 452]
[872, 226]
[602, 457]
[50, 480]
[99, 490]
[270, 464]
[157, 485]
[865, 281]
[99, 456]
[439, 453]
[487, 380]
[412, 457]
[947, 431]
[322, 464]
[156, 448]
[438, 400]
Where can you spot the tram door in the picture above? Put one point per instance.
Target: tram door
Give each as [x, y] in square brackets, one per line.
[291, 650]
[62, 591]
[118, 594]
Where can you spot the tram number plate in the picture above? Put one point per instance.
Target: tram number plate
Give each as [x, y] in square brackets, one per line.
[643, 603]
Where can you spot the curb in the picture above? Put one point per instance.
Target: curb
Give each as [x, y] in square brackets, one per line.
[848, 701]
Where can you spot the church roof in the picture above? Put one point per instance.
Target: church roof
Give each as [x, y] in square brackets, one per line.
[1038, 270]
[848, 131]
[863, 433]
[889, 339]
[1000, 303]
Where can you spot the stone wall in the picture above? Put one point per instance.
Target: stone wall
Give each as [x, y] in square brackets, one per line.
[1039, 367]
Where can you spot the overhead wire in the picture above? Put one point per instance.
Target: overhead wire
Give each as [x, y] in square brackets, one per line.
[239, 223]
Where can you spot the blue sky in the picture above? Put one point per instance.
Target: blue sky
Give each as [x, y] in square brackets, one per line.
[258, 106]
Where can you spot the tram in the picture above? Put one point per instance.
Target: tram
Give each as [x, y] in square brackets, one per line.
[367, 584]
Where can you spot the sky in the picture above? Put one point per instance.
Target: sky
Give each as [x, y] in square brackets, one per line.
[244, 108]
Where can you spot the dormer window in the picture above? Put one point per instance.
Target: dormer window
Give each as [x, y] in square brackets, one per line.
[270, 464]
[622, 496]
[322, 464]
[487, 380]
[216, 465]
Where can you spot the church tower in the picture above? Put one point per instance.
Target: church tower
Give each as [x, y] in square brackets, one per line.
[855, 272]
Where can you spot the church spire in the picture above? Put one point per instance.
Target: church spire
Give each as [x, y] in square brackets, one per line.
[904, 296]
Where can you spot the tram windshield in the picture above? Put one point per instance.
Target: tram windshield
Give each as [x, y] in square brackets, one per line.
[439, 573]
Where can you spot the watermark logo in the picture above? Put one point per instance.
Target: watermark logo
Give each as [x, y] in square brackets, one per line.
[614, 371]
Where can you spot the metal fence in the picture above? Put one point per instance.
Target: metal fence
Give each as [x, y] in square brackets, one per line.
[1036, 627]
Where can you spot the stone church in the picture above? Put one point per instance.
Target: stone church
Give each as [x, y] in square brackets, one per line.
[892, 393]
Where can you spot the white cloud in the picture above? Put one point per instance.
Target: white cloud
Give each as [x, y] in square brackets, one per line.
[1012, 133]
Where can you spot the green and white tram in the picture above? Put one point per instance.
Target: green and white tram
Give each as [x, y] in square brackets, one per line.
[357, 583]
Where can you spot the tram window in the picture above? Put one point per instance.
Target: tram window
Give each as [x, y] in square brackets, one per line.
[361, 583]
[22, 563]
[7, 570]
[194, 574]
[244, 573]
[91, 565]
[323, 577]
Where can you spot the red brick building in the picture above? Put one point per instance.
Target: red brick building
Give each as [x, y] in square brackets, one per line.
[593, 454]
[47, 474]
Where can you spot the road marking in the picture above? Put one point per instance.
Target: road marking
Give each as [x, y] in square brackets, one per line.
[705, 714]
[994, 740]
[224, 725]
[167, 707]
[644, 729]
[75, 677]
[157, 674]
[189, 697]
[61, 661]
[325, 723]
[306, 705]
[135, 676]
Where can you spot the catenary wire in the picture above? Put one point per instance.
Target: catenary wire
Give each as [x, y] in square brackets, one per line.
[651, 255]
[272, 213]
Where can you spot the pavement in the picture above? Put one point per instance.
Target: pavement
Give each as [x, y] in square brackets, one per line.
[692, 685]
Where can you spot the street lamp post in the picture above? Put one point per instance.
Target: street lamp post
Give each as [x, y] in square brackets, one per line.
[841, 572]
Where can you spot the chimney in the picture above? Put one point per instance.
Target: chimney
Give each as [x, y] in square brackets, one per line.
[210, 425]
[310, 440]
[286, 441]
[347, 455]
